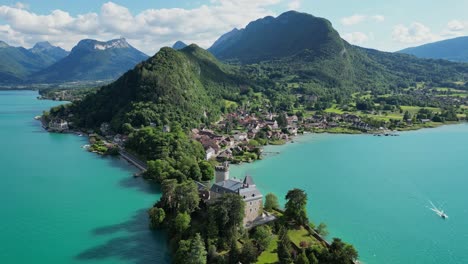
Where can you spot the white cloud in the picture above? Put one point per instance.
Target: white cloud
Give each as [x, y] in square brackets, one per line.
[21, 5]
[357, 38]
[352, 20]
[148, 30]
[358, 18]
[378, 18]
[414, 33]
[294, 4]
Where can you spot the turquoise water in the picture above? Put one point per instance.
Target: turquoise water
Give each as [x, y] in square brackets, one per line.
[61, 204]
[373, 191]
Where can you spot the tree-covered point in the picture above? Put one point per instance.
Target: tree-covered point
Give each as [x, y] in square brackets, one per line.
[183, 86]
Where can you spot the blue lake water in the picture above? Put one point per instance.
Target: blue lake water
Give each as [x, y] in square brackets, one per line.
[62, 204]
[374, 191]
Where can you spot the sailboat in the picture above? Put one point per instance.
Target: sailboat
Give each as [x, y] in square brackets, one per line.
[438, 211]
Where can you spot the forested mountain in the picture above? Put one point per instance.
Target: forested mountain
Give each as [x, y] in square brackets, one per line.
[92, 60]
[305, 50]
[455, 49]
[48, 53]
[179, 45]
[173, 86]
[17, 63]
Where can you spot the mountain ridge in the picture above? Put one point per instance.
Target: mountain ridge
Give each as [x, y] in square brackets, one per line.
[92, 60]
[455, 49]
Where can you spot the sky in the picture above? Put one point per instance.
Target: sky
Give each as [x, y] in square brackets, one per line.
[149, 25]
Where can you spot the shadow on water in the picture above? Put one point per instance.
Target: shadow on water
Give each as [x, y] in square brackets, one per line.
[141, 185]
[137, 244]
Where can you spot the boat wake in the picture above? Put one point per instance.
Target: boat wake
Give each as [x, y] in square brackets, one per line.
[438, 211]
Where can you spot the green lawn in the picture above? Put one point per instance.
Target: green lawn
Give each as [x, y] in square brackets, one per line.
[269, 256]
[415, 109]
[334, 109]
[299, 235]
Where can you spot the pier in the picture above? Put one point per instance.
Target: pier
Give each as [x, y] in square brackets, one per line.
[141, 165]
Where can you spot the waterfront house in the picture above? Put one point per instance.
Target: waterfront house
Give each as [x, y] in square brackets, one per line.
[58, 125]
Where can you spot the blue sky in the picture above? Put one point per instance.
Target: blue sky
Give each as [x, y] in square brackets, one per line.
[151, 24]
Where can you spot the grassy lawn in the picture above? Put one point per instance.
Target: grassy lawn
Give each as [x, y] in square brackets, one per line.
[269, 256]
[337, 130]
[415, 109]
[299, 235]
[442, 89]
[334, 109]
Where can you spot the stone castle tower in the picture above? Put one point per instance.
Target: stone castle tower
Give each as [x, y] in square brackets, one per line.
[222, 172]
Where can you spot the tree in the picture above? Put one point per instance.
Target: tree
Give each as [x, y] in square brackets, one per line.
[296, 206]
[191, 251]
[406, 116]
[271, 202]
[282, 120]
[157, 216]
[312, 258]
[284, 247]
[186, 197]
[249, 252]
[207, 170]
[182, 222]
[302, 259]
[341, 253]
[262, 235]
[228, 214]
[322, 229]
[234, 252]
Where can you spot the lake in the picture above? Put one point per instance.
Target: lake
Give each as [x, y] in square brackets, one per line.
[62, 204]
[374, 192]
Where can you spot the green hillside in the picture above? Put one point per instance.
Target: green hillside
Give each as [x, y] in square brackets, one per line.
[173, 86]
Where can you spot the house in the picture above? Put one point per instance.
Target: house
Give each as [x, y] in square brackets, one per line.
[166, 129]
[246, 188]
[58, 125]
[240, 136]
[210, 153]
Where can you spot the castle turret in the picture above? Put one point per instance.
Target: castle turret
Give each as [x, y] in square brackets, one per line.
[222, 172]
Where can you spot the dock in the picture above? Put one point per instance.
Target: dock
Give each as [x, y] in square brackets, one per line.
[141, 165]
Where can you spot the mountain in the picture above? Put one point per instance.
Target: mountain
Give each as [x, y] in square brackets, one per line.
[455, 49]
[92, 60]
[184, 86]
[271, 38]
[17, 63]
[179, 45]
[306, 50]
[48, 53]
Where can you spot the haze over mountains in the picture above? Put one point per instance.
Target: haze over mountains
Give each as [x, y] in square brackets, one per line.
[455, 49]
[89, 60]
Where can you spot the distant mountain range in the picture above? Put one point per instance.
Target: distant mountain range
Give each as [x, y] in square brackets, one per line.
[92, 60]
[89, 60]
[455, 49]
[17, 63]
[179, 45]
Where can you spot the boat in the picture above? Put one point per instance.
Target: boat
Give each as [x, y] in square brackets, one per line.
[438, 211]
